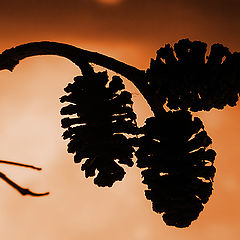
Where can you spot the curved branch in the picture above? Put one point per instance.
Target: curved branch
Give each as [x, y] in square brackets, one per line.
[11, 57]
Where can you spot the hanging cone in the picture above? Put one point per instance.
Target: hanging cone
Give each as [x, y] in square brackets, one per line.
[178, 167]
[102, 117]
[184, 78]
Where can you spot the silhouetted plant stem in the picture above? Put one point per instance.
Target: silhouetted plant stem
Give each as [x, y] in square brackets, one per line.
[173, 147]
[23, 191]
[20, 164]
[11, 57]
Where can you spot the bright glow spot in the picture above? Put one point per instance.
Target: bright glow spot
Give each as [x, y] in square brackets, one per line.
[110, 2]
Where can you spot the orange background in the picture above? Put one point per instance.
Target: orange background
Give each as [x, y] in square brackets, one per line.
[30, 132]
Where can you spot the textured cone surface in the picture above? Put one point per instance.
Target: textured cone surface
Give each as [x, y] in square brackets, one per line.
[102, 116]
[178, 167]
[184, 78]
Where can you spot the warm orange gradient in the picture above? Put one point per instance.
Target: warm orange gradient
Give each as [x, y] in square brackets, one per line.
[30, 132]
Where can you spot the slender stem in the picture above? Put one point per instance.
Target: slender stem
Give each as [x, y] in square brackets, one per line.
[20, 164]
[11, 57]
[21, 190]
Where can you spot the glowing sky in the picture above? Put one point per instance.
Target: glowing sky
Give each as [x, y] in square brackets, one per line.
[131, 31]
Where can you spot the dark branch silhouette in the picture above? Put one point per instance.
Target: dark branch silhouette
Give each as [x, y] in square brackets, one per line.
[20, 164]
[23, 191]
[172, 147]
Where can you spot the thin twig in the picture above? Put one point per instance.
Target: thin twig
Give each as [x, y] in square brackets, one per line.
[23, 191]
[20, 164]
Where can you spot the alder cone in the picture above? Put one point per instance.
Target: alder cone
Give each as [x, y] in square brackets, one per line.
[184, 78]
[178, 167]
[97, 132]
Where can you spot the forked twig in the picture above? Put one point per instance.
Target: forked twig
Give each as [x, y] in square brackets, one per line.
[23, 191]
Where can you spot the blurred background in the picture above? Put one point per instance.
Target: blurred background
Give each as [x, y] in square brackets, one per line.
[30, 129]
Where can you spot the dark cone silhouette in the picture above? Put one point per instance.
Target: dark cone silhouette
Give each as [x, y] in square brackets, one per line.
[179, 169]
[103, 115]
[184, 78]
